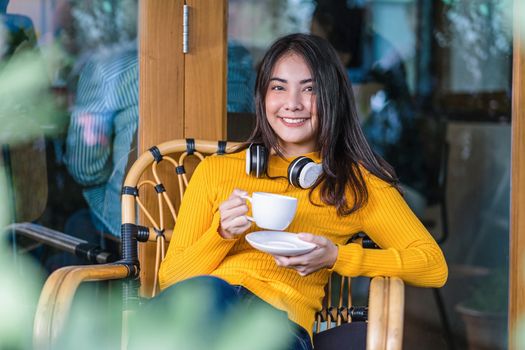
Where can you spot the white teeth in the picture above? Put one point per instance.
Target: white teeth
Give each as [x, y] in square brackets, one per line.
[293, 121]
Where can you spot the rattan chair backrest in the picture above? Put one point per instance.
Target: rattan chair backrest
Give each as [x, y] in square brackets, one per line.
[159, 212]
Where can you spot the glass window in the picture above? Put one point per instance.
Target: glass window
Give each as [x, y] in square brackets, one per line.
[69, 92]
[68, 119]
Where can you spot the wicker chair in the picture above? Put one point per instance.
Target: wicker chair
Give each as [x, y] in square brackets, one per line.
[381, 320]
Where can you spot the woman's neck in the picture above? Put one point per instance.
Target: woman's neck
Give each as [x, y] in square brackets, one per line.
[292, 152]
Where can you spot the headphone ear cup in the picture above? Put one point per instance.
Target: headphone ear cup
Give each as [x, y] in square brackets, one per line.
[248, 160]
[304, 172]
[256, 160]
[262, 160]
[295, 168]
[309, 174]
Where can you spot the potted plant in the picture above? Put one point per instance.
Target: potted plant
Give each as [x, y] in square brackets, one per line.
[484, 313]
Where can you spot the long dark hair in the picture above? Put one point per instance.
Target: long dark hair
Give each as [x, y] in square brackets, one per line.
[340, 141]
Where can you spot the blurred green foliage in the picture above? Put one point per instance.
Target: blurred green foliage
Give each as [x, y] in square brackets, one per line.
[182, 325]
[28, 108]
[20, 283]
[491, 295]
[95, 318]
[97, 311]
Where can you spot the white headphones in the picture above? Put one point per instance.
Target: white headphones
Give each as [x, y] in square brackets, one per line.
[302, 171]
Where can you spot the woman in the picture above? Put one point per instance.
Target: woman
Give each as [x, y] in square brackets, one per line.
[304, 106]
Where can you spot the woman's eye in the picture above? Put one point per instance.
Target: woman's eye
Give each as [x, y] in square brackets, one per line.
[277, 88]
[309, 89]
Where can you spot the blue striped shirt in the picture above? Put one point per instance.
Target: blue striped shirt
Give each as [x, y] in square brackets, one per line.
[102, 127]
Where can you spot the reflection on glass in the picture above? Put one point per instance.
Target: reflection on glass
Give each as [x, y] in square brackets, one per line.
[240, 79]
[69, 73]
[68, 116]
[432, 82]
[253, 26]
[483, 31]
[101, 36]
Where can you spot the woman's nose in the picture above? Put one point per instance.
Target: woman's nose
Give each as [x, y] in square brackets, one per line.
[293, 102]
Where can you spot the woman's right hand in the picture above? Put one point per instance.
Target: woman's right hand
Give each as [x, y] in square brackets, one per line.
[233, 215]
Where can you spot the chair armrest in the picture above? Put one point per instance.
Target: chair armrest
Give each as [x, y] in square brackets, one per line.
[57, 296]
[385, 314]
[62, 241]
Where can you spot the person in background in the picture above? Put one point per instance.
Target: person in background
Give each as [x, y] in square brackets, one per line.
[104, 115]
[103, 125]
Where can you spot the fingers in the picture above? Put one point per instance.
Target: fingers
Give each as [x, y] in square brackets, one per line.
[236, 226]
[232, 202]
[299, 260]
[323, 256]
[239, 192]
[292, 261]
[233, 215]
[308, 237]
[302, 269]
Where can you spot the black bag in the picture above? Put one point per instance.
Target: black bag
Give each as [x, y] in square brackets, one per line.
[348, 336]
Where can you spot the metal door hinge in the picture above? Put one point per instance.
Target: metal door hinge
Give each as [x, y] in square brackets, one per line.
[185, 29]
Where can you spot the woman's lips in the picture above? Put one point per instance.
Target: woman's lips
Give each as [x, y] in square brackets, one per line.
[293, 122]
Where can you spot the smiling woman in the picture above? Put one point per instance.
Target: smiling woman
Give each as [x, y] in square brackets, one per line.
[304, 107]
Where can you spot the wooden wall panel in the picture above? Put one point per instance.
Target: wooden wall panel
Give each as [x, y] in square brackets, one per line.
[161, 91]
[205, 80]
[161, 72]
[517, 211]
[181, 95]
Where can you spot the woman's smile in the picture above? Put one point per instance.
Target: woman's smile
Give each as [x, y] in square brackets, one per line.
[293, 122]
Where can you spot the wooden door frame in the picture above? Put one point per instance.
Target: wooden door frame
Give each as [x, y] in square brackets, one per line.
[517, 194]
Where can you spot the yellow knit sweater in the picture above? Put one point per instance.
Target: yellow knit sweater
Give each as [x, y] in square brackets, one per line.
[408, 250]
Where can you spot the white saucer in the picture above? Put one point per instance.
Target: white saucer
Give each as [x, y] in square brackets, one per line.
[279, 243]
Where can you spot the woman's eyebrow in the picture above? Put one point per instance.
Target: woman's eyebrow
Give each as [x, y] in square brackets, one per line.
[304, 81]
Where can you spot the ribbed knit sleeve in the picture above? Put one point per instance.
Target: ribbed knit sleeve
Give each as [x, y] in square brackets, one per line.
[408, 250]
[196, 248]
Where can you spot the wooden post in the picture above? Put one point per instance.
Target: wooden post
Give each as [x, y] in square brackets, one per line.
[180, 95]
[517, 210]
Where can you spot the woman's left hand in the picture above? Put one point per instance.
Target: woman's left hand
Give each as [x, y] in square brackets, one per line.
[323, 256]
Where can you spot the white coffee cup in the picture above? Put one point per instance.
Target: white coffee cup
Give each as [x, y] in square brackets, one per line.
[272, 211]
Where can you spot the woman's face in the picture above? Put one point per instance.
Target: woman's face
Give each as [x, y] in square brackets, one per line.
[291, 107]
